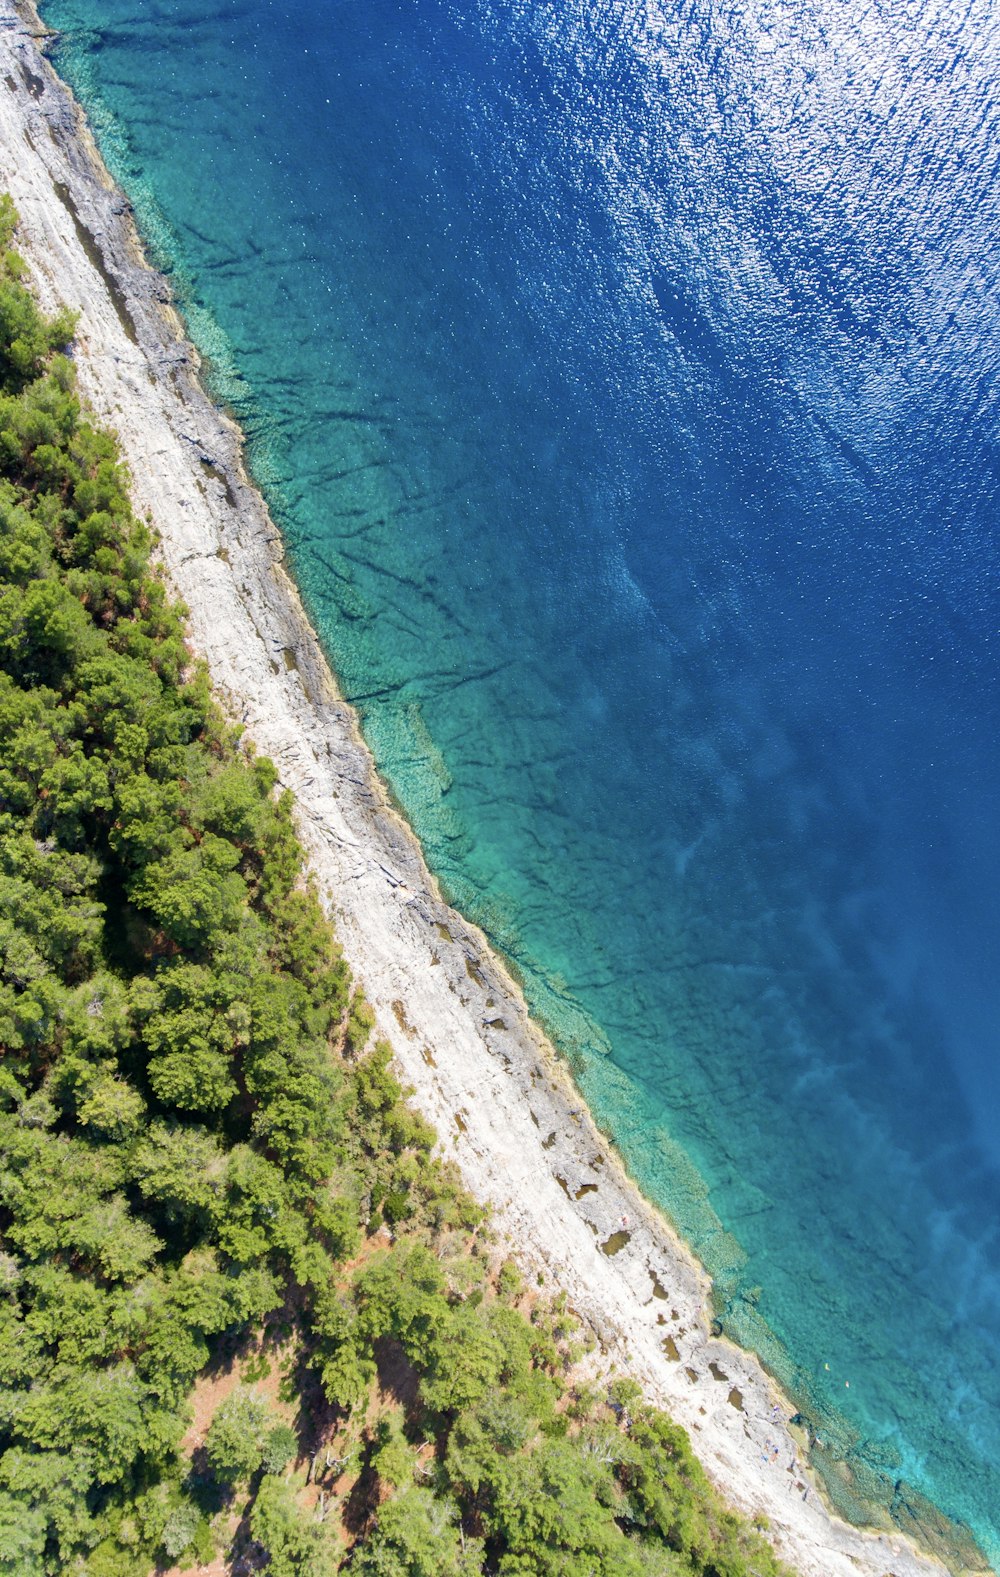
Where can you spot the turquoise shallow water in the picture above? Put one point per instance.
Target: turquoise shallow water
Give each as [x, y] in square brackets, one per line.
[625, 383]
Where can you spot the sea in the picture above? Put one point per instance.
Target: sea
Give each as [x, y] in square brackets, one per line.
[624, 377]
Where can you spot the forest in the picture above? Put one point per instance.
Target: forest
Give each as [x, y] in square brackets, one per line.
[249, 1320]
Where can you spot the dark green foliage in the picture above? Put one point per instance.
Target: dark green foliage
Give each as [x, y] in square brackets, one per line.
[169, 999]
[237, 1435]
[280, 1446]
[26, 337]
[297, 1547]
[416, 1536]
[196, 1138]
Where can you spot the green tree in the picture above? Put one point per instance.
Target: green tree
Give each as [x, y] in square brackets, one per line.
[416, 1535]
[554, 1510]
[393, 1458]
[23, 1536]
[237, 1435]
[280, 1446]
[295, 1546]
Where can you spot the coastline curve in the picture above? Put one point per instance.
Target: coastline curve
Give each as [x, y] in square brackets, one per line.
[503, 1104]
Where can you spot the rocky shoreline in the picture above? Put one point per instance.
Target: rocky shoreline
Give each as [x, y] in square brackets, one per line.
[504, 1106]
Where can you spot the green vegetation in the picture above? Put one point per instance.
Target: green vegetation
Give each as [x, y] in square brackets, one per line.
[242, 1307]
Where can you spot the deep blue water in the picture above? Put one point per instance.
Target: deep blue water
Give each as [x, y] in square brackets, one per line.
[626, 379]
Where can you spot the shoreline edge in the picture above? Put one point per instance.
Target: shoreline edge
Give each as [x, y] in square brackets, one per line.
[503, 1103]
